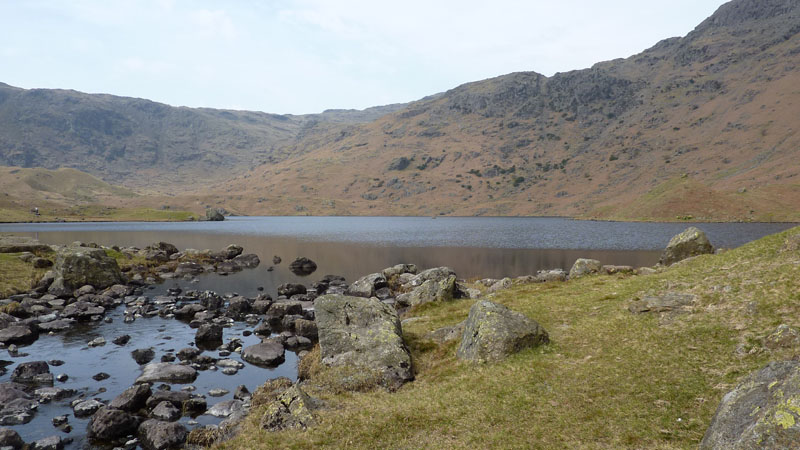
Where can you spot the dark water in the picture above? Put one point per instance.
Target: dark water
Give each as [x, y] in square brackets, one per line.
[352, 247]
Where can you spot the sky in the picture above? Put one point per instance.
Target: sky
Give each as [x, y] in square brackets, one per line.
[305, 56]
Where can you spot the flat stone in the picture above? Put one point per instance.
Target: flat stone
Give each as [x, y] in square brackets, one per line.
[167, 373]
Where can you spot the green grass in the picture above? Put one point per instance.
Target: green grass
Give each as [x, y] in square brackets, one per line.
[16, 275]
[97, 213]
[609, 379]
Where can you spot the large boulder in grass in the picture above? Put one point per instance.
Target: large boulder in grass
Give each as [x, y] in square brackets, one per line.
[78, 266]
[363, 333]
[435, 290]
[762, 412]
[493, 332]
[585, 266]
[691, 242]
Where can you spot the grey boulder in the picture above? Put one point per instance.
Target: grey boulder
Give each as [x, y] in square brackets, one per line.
[167, 373]
[691, 242]
[269, 353]
[762, 411]
[585, 266]
[363, 333]
[109, 423]
[493, 332]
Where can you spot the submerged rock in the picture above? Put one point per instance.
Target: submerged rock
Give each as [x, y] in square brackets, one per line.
[303, 266]
[493, 332]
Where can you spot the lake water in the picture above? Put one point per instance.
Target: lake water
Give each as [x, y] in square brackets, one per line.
[352, 247]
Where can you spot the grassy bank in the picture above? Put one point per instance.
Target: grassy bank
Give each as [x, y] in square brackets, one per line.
[96, 213]
[609, 379]
[16, 275]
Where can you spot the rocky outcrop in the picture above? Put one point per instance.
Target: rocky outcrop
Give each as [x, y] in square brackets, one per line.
[691, 242]
[79, 266]
[367, 285]
[10, 439]
[363, 333]
[762, 411]
[493, 332]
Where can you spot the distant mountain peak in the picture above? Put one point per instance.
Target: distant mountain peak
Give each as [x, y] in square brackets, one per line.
[740, 11]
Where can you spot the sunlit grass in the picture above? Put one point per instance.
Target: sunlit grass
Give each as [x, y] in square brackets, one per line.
[610, 379]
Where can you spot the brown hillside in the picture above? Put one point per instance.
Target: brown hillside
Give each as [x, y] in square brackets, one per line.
[702, 126]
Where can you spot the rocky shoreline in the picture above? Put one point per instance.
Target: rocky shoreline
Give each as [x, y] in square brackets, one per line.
[357, 326]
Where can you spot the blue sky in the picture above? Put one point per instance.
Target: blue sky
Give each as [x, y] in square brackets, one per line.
[305, 56]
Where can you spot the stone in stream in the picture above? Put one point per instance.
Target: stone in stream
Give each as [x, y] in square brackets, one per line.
[290, 289]
[17, 407]
[56, 325]
[241, 393]
[10, 439]
[48, 394]
[188, 353]
[143, 355]
[82, 310]
[121, 340]
[217, 392]
[225, 408]
[86, 408]
[691, 242]
[493, 332]
[109, 423]
[177, 398]
[167, 373]
[166, 411]
[269, 353]
[208, 336]
[133, 398]
[18, 334]
[97, 342]
[34, 372]
[278, 310]
[364, 334]
[48, 443]
[158, 435]
[303, 266]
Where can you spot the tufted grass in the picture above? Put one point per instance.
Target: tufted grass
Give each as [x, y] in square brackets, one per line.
[16, 275]
[609, 379]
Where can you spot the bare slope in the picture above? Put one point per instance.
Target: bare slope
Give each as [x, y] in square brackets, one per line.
[702, 126]
[145, 144]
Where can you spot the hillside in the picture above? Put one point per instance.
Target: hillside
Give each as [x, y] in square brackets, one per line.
[702, 126]
[69, 194]
[144, 144]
